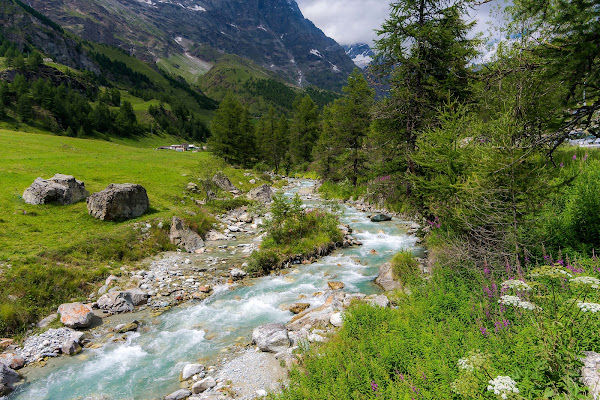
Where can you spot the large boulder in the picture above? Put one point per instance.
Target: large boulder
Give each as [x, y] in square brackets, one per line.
[381, 218]
[60, 189]
[204, 385]
[273, 338]
[138, 296]
[76, 315]
[190, 370]
[119, 202]
[223, 182]
[116, 302]
[182, 236]
[263, 194]
[179, 395]
[7, 378]
[386, 279]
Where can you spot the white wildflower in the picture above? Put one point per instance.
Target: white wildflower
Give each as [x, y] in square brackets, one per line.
[594, 283]
[589, 307]
[503, 386]
[465, 363]
[516, 285]
[551, 272]
[509, 300]
[517, 302]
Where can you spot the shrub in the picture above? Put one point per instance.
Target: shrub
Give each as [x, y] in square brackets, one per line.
[405, 267]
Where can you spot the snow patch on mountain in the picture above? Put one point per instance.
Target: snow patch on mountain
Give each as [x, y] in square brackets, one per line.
[316, 53]
[360, 53]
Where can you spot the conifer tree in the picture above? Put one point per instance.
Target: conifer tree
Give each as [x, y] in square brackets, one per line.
[304, 129]
[25, 108]
[232, 134]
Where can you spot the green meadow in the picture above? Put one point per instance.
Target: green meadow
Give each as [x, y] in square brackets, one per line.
[62, 248]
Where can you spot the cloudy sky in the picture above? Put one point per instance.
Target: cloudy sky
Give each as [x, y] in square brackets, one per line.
[354, 21]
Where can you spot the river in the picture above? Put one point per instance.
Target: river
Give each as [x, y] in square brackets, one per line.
[147, 365]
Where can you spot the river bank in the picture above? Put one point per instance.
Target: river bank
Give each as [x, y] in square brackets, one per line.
[218, 324]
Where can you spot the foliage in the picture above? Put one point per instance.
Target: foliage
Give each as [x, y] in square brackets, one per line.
[405, 267]
[293, 233]
[304, 129]
[453, 335]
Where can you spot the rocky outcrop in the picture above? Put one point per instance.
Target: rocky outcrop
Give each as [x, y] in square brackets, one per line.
[386, 279]
[116, 302]
[223, 182]
[119, 202]
[273, 338]
[60, 189]
[263, 194]
[76, 315]
[182, 236]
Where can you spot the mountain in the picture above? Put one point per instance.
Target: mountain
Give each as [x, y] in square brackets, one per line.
[360, 53]
[272, 33]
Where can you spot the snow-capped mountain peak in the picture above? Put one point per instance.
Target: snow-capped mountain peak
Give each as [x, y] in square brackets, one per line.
[360, 53]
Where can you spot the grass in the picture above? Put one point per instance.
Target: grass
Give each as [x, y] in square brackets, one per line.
[62, 246]
[413, 350]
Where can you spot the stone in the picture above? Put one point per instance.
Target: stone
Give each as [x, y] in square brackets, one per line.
[77, 336]
[215, 235]
[386, 279]
[379, 300]
[335, 285]
[297, 308]
[60, 189]
[272, 338]
[237, 274]
[262, 194]
[123, 328]
[47, 321]
[76, 315]
[233, 228]
[381, 218]
[116, 302]
[247, 218]
[261, 393]
[223, 182]
[190, 370]
[12, 361]
[71, 347]
[179, 395]
[182, 236]
[138, 296]
[118, 202]
[8, 376]
[5, 342]
[204, 385]
[336, 320]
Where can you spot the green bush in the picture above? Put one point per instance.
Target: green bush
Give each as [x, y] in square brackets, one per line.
[405, 267]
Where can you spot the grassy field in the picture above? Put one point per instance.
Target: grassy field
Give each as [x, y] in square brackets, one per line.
[62, 246]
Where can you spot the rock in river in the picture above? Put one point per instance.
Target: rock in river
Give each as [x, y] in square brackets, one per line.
[119, 202]
[190, 370]
[60, 189]
[380, 218]
[7, 378]
[273, 338]
[76, 315]
[335, 285]
[386, 279]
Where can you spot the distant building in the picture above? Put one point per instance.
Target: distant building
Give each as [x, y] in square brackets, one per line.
[180, 147]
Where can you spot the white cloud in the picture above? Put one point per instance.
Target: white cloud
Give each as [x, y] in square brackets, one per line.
[355, 21]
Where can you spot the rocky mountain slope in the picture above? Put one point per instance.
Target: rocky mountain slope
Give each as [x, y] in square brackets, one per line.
[272, 33]
[360, 53]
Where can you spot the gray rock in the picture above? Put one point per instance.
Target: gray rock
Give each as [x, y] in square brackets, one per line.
[336, 319]
[8, 376]
[263, 194]
[76, 315]
[119, 202]
[191, 370]
[77, 336]
[179, 395]
[237, 273]
[214, 235]
[71, 347]
[138, 296]
[60, 189]
[12, 361]
[386, 279]
[380, 300]
[273, 338]
[204, 385]
[223, 182]
[181, 235]
[116, 302]
[380, 218]
[47, 321]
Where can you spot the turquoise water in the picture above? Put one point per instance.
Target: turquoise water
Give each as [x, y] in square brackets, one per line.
[147, 365]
